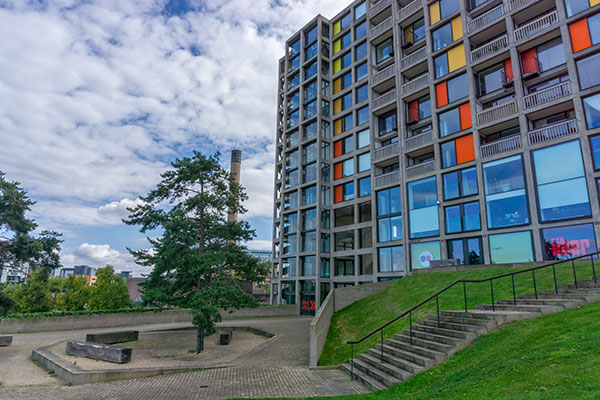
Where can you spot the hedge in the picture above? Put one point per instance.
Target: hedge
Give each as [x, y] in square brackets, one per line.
[84, 312]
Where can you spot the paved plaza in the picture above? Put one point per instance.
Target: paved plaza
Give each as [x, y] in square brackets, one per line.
[277, 368]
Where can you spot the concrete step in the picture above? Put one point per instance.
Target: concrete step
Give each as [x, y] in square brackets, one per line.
[472, 314]
[477, 329]
[433, 345]
[366, 379]
[571, 296]
[486, 323]
[444, 332]
[544, 302]
[588, 291]
[386, 379]
[537, 309]
[448, 340]
[386, 366]
[400, 348]
[389, 355]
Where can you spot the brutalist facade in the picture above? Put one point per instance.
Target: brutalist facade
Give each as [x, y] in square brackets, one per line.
[450, 129]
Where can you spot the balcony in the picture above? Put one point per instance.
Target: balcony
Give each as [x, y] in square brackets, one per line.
[485, 19]
[384, 100]
[377, 6]
[386, 152]
[381, 28]
[409, 10]
[383, 75]
[415, 85]
[418, 141]
[500, 146]
[551, 132]
[489, 49]
[514, 4]
[387, 179]
[420, 169]
[497, 112]
[413, 58]
[547, 95]
[534, 27]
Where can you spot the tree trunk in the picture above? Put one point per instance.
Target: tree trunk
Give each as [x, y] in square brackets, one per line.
[200, 340]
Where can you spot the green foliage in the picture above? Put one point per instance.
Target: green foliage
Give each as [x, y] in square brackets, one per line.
[35, 295]
[83, 312]
[198, 262]
[109, 292]
[6, 304]
[72, 293]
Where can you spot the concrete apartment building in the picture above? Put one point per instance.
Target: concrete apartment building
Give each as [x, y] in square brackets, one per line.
[447, 129]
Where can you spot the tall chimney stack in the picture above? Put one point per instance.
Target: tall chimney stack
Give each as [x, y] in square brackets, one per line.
[236, 164]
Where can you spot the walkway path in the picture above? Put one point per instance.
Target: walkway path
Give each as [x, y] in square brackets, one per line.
[278, 368]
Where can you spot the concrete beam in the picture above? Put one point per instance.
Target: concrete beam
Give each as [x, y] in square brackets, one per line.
[103, 352]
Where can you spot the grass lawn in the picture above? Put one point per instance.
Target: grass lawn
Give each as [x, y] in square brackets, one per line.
[365, 315]
[551, 357]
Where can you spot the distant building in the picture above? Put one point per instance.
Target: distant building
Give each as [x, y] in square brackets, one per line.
[125, 274]
[11, 275]
[84, 270]
[264, 255]
[135, 290]
[64, 272]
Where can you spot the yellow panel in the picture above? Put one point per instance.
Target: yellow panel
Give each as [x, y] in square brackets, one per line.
[337, 106]
[457, 31]
[337, 66]
[434, 13]
[337, 46]
[337, 27]
[338, 126]
[594, 3]
[337, 85]
[408, 35]
[456, 58]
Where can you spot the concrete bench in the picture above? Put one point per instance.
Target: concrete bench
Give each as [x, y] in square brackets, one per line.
[452, 262]
[112, 337]
[225, 336]
[97, 351]
[5, 341]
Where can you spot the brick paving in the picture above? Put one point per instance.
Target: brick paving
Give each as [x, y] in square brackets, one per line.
[277, 369]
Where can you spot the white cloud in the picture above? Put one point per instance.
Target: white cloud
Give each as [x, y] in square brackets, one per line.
[100, 255]
[117, 210]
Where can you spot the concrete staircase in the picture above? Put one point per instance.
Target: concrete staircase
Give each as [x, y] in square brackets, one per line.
[434, 341]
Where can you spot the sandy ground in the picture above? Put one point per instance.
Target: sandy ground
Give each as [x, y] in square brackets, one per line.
[172, 349]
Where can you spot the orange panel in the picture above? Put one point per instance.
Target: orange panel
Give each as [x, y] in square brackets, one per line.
[580, 35]
[337, 171]
[441, 94]
[465, 151]
[465, 116]
[413, 111]
[337, 148]
[337, 194]
[529, 61]
[508, 70]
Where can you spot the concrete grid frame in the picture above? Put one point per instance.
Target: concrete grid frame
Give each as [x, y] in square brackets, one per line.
[484, 34]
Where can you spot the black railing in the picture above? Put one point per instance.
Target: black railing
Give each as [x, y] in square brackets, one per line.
[464, 283]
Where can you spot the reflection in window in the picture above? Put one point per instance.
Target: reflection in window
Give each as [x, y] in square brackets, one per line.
[383, 51]
[511, 248]
[591, 105]
[463, 218]
[568, 241]
[468, 251]
[391, 259]
[460, 183]
[587, 71]
[389, 214]
[422, 203]
[386, 123]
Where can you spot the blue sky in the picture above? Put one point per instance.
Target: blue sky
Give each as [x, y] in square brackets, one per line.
[98, 97]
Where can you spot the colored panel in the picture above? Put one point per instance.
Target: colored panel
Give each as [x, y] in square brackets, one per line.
[337, 194]
[337, 46]
[337, 27]
[337, 85]
[337, 106]
[456, 58]
[338, 126]
[457, 31]
[465, 151]
[580, 35]
[337, 171]
[441, 94]
[434, 13]
[337, 65]
[529, 61]
[465, 116]
[413, 110]
[594, 3]
[337, 148]
[508, 72]
[408, 35]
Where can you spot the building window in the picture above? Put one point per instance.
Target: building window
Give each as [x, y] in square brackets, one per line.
[342, 62]
[310, 131]
[362, 93]
[586, 69]
[344, 241]
[342, 103]
[344, 267]
[309, 195]
[364, 162]
[585, 33]
[365, 264]
[291, 179]
[292, 139]
[360, 10]
[414, 32]
[309, 173]
[288, 292]
[363, 139]
[325, 268]
[290, 245]
[494, 78]
[543, 57]
[447, 34]
[309, 242]
[389, 214]
[342, 43]
[364, 212]
[384, 50]
[561, 186]
[362, 71]
[365, 238]
[595, 145]
[294, 81]
[455, 120]
[463, 218]
[442, 9]
[342, 82]
[591, 106]
[309, 219]
[450, 61]
[458, 151]
[343, 192]
[360, 30]
[391, 259]
[576, 6]
[344, 216]
[364, 187]
[568, 241]
[506, 248]
[468, 251]
[294, 62]
[460, 183]
[419, 109]
[310, 109]
[423, 208]
[343, 146]
[291, 200]
[421, 254]
[386, 123]
[362, 116]
[505, 196]
[325, 245]
[451, 90]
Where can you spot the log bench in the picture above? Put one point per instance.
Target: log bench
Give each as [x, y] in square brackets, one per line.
[112, 337]
[5, 340]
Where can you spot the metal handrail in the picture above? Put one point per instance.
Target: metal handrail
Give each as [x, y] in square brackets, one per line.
[464, 283]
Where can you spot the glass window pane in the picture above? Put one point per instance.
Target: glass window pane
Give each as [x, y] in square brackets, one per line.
[449, 122]
[448, 154]
[362, 93]
[362, 116]
[575, 6]
[591, 106]
[474, 254]
[364, 162]
[421, 254]
[453, 220]
[363, 139]
[595, 144]
[451, 186]
[469, 181]
[361, 72]
[471, 220]
[568, 241]
[385, 259]
[456, 250]
[586, 69]
[384, 229]
[448, 7]
[364, 186]
[441, 65]
[360, 10]
[383, 51]
[594, 26]
[457, 88]
[511, 248]
[360, 31]
[551, 54]
[442, 37]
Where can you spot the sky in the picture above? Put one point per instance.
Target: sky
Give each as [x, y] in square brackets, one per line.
[98, 97]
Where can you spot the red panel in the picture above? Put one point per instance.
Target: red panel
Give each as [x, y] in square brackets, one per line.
[413, 111]
[337, 194]
[337, 148]
[580, 35]
[337, 171]
[508, 70]
[529, 61]
[465, 151]
[465, 116]
[441, 94]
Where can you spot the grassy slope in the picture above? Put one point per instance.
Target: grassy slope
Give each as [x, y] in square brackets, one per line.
[360, 318]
